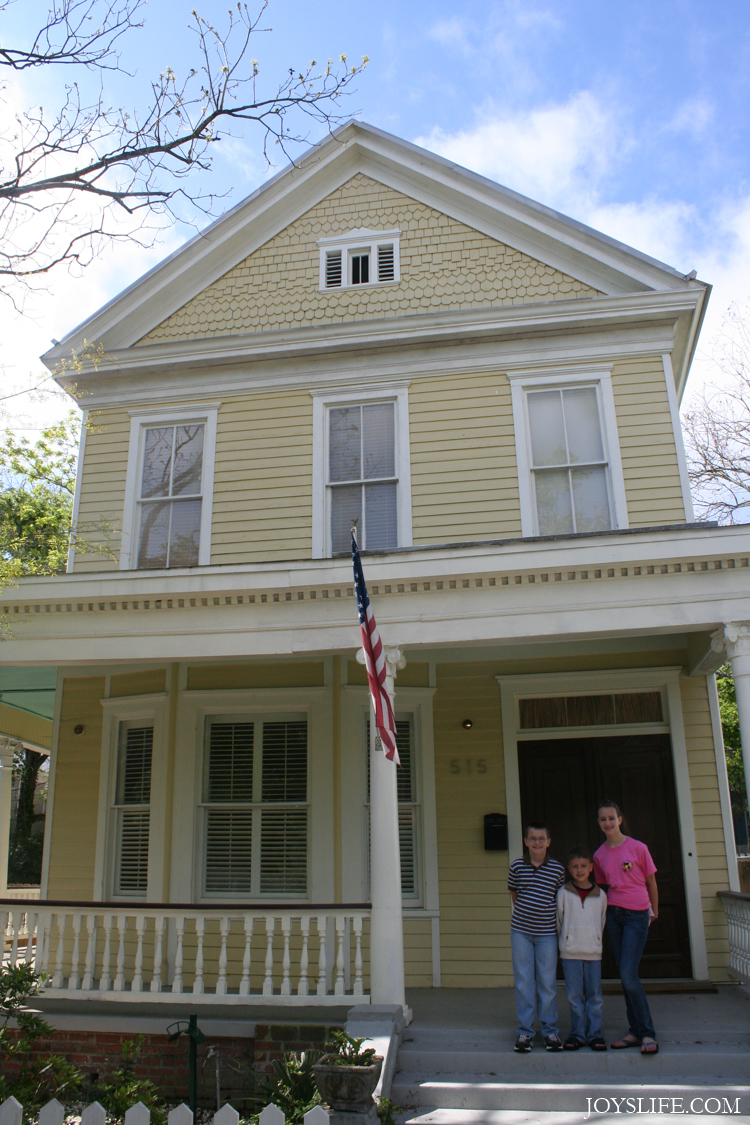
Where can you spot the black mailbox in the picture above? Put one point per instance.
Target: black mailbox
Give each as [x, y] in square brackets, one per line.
[496, 832]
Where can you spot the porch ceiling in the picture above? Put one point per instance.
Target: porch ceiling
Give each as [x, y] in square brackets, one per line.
[653, 580]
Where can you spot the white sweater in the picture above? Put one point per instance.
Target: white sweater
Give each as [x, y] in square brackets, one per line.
[580, 923]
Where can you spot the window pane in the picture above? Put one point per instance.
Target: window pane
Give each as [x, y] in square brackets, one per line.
[157, 461]
[132, 867]
[230, 762]
[346, 507]
[344, 450]
[381, 528]
[547, 429]
[188, 460]
[285, 761]
[229, 835]
[590, 499]
[134, 780]
[154, 534]
[554, 512]
[405, 776]
[582, 425]
[378, 447]
[185, 535]
[283, 852]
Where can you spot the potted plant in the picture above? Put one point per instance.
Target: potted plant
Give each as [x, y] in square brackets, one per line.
[347, 1075]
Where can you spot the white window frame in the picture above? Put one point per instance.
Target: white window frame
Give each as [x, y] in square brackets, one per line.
[150, 710]
[323, 402]
[140, 421]
[365, 240]
[521, 382]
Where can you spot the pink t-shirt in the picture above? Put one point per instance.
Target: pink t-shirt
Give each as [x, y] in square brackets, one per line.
[624, 869]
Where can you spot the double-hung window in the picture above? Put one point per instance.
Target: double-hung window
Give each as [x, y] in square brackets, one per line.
[362, 479]
[409, 819]
[570, 475]
[169, 489]
[132, 807]
[255, 807]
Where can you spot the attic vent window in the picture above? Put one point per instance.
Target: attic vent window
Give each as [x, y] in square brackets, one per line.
[362, 257]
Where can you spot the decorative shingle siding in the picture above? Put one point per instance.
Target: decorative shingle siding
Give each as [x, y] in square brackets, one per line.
[444, 265]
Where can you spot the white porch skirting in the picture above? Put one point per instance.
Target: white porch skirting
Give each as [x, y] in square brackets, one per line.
[737, 909]
[289, 955]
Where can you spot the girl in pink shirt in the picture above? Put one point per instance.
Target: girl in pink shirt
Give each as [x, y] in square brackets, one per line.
[625, 867]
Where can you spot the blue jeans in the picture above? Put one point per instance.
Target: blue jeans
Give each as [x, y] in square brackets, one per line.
[627, 931]
[534, 973]
[583, 984]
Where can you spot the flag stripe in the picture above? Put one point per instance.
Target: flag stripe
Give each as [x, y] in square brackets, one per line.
[372, 646]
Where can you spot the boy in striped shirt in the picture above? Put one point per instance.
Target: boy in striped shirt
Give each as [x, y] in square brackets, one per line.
[533, 883]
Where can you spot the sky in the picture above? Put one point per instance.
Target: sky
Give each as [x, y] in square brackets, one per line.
[632, 117]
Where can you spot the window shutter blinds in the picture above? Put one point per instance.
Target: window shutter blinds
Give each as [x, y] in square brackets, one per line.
[333, 270]
[134, 789]
[229, 839]
[285, 761]
[407, 812]
[230, 762]
[283, 844]
[385, 263]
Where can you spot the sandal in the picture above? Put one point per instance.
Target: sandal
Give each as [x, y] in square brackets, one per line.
[649, 1046]
[572, 1044]
[626, 1041]
[597, 1044]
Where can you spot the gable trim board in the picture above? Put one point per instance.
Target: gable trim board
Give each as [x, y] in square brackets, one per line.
[560, 242]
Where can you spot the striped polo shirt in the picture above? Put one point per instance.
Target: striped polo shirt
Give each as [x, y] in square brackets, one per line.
[536, 890]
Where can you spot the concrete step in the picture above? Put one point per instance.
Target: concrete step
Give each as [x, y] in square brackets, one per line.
[465, 1092]
[427, 1116]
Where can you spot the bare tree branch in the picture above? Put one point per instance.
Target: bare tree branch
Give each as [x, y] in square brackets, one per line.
[65, 38]
[717, 427]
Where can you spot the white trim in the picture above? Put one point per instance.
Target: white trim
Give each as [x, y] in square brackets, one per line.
[666, 679]
[153, 708]
[50, 810]
[324, 399]
[723, 778]
[140, 420]
[77, 492]
[679, 443]
[600, 377]
[364, 239]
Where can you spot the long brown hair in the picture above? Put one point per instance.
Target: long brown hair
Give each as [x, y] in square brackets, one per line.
[605, 803]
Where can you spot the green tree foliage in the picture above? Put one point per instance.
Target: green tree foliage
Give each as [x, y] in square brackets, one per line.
[123, 1089]
[730, 725]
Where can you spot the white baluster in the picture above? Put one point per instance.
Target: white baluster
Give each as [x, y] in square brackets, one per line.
[11, 1111]
[221, 983]
[105, 980]
[304, 925]
[44, 930]
[74, 980]
[122, 925]
[57, 979]
[159, 923]
[94, 1114]
[268, 979]
[358, 989]
[286, 984]
[246, 959]
[14, 925]
[52, 1113]
[137, 1115]
[31, 922]
[200, 929]
[340, 986]
[4, 915]
[88, 969]
[182, 1115]
[140, 929]
[227, 1115]
[271, 1115]
[179, 925]
[322, 966]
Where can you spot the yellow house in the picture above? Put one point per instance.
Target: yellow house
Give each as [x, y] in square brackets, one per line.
[491, 390]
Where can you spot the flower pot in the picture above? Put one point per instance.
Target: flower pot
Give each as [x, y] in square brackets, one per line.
[347, 1089]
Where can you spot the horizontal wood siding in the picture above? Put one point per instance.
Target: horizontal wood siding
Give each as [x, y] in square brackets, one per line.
[221, 677]
[76, 798]
[647, 446]
[145, 682]
[103, 490]
[463, 459]
[27, 727]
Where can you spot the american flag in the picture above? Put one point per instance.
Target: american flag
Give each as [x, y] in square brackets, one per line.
[372, 645]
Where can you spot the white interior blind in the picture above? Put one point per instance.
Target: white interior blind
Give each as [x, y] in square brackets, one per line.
[255, 808]
[362, 482]
[133, 814]
[408, 807]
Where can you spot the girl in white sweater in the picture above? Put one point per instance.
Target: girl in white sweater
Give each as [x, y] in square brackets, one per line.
[581, 916]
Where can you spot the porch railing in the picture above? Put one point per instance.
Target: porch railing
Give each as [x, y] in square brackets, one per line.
[278, 954]
[737, 909]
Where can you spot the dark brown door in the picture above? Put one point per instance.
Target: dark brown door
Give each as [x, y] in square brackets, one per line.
[561, 782]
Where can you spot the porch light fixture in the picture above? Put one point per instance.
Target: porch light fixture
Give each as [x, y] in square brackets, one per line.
[78, 729]
[467, 724]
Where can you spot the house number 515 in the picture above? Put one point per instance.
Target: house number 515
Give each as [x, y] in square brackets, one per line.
[468, 765]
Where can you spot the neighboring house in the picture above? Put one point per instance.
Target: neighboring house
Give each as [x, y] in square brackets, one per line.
[492, 390]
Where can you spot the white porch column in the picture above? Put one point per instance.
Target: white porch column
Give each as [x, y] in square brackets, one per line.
[386, 925]
[7, 748]
[735, 640]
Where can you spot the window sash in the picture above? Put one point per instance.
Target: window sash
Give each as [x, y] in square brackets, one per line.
[173, 538]
[132, 808]
[361, 466]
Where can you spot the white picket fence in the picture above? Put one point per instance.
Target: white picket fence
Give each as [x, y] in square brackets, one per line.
[53, 1113]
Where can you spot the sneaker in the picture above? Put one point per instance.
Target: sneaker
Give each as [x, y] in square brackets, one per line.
[523, 1043]
[552, 1043]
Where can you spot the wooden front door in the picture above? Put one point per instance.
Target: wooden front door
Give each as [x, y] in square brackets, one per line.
[561, 782]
